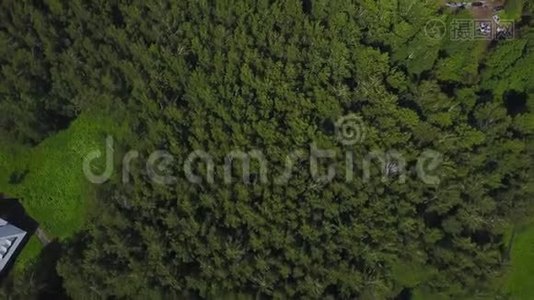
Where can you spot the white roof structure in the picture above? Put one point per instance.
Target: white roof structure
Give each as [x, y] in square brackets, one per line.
[10, 239]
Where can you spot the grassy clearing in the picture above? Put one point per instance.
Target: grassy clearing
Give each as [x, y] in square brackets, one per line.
[519, 279]
[49, 181]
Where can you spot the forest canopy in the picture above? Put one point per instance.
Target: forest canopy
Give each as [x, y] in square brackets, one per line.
[266, 79]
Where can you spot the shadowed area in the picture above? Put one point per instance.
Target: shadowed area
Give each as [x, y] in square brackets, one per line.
[13, 212]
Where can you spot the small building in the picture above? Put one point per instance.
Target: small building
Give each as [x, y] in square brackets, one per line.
[11, 238]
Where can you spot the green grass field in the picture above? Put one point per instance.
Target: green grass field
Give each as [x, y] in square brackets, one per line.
[521, 274]
[48, 179]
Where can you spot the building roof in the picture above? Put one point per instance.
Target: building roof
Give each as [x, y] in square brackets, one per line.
[10, 240]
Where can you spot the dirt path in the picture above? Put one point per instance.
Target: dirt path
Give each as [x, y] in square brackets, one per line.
[486, 12]
[480, 12]
[43, 238]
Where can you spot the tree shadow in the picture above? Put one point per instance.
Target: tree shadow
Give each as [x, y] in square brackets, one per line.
[41, 277]
[45, 274]
[12, 211]
[39, 280]
[18, 177]
[515, 102]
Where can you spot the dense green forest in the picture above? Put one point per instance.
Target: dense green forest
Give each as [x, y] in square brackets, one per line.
[274, 80]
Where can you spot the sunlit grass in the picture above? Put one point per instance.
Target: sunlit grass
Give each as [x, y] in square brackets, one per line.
[521, 273]
[48, 179]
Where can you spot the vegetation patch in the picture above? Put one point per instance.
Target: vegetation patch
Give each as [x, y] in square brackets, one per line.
[519, 281]
[48, 179]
